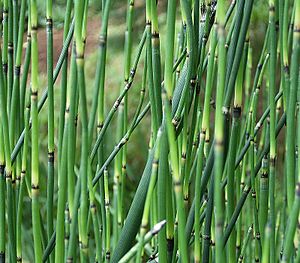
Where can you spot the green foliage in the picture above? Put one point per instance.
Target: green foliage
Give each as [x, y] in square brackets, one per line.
[174, 139]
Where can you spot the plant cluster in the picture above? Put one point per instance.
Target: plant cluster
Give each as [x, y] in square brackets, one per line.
[215, 187]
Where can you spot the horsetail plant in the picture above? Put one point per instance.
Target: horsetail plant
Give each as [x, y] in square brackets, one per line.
[216, 110]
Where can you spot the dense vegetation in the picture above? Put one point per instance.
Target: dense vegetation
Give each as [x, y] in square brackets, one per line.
[222, 178]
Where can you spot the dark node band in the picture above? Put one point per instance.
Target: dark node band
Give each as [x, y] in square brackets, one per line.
[34, 93]
[170, 244]
[236, 112]
[76, 120]
[272, 8]
[193, 82]
[35, 187]
[17, 70]
[219, 143]
[257, 235]
[79, 56]
[177, 183]
[277, 25]
[298, 189]
[117, 103]
[51, 156]
[155, 162]
[132, 72]
[2, 168]
[259, 66]
[49, 21]
[155, 35]
[49, 25]
[264, 174]
[8, 176]
[272, 161]
[175, 121]
[4, 66]
[34, 28]
[128, 85]
[102, 40]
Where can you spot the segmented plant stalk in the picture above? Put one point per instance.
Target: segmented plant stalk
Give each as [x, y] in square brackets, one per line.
[5, 44]
[120, 160]
[2, 193]
[150, 193]
[288, 246]
[72, 108]
[232, 152]
[176, 180]
[272, 86]
[128, 59]
[290, 136]
[156, 229]
[219, 132]
[169, 57]
[10, 60]
[63, 85]
[22, 183]
[152, 91]
[50, 179]
[263, 195]
[107, 218]
[36, 224]
[14, 124]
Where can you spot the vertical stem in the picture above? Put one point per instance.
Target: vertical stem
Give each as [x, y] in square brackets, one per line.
[272, 86]
[36, 224]
[219, 132]
[83, 213]
[50, 179]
